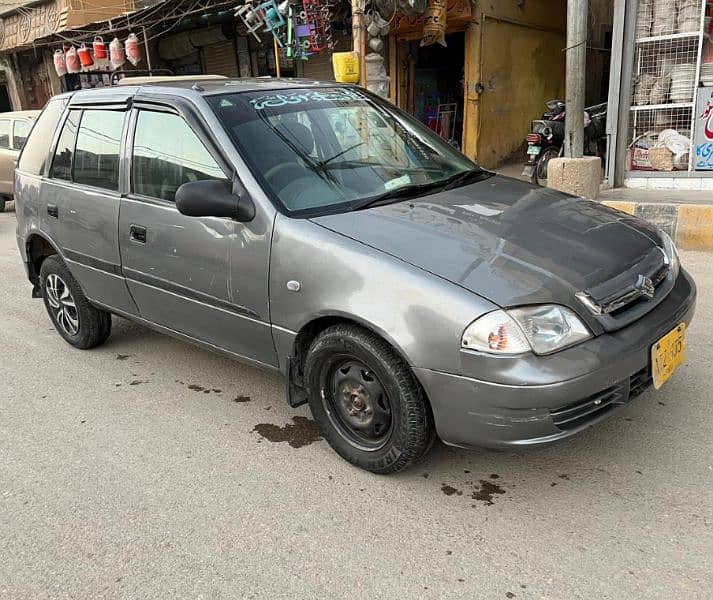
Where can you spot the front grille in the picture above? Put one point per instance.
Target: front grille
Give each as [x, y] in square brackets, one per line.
[639, 382]
[577, 414]
[623, 299]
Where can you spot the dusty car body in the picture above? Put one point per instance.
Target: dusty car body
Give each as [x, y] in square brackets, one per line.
[455, 301]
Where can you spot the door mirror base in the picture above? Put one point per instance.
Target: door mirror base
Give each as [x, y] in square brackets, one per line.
[214, 198]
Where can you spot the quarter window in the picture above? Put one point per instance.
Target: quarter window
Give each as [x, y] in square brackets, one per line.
[62, 162]
[167, 154]
[19, 134]
[96, 160]
[5, 133]
[35, 152]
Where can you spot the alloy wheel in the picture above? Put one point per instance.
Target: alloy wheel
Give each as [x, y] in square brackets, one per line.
[62, 305]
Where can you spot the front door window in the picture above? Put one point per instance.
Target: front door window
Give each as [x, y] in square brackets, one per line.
[167, 154]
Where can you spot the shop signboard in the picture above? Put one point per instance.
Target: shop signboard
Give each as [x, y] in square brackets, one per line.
[703, 131]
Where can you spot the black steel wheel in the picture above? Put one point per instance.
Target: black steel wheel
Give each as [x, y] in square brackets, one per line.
[366, 400]
[356, 402]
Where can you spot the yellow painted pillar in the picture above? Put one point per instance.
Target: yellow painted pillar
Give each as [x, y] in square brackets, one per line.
[471, 100]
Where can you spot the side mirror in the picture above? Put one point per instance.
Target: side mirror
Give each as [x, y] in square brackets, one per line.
[213, 198]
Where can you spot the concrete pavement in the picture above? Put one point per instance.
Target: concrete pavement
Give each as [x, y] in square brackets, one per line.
[148, 468]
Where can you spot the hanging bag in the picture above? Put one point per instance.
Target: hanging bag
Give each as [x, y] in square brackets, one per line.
[117, 54]
[133, 53]
[60, 64]
[72, 61]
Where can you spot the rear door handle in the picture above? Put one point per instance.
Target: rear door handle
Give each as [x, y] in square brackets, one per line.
[138, 233]
[53, 211]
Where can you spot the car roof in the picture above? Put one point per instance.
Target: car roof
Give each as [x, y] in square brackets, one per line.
[20, 114]
[189, 87]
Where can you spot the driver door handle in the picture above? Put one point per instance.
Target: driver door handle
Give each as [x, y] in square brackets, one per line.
[137, 233]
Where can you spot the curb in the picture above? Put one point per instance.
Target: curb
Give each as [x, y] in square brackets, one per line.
[690, 225]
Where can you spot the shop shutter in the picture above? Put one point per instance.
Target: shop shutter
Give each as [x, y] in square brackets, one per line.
[220, 59]
[319, 66]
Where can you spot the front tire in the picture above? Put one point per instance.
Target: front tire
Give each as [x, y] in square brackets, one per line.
[366, 400]
[75, 319]
[2, 204]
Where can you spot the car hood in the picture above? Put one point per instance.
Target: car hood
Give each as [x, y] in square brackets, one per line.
[506, 240]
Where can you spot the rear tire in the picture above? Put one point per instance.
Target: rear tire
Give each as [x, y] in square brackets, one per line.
[366, 400]
[2, 204]
[75, 319]
[539, 175]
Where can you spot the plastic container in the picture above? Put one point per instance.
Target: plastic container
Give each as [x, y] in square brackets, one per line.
[346, 67]
[99, 47]
[85, 56]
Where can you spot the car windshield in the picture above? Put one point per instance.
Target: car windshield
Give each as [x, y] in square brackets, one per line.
[328, 150]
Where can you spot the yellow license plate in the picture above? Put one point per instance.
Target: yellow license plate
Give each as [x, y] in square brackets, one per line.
[668, 354]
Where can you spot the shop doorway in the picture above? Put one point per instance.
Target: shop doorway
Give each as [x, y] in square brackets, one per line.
[5, 104]
[432, 88]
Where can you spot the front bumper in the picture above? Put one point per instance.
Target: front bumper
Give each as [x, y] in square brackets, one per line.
[473, 412]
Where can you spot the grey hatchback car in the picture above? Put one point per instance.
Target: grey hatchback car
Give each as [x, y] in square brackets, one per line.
[316, 230]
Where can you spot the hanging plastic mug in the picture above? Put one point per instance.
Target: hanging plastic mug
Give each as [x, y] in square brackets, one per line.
[85, 56]
[99, 48]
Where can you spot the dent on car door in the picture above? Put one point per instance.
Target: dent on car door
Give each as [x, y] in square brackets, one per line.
[80, 200]
[204, 277]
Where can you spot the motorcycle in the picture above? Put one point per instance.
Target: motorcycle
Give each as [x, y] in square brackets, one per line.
[546, 138]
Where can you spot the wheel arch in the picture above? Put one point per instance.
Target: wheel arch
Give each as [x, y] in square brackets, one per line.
[308, 332]
[37, 248]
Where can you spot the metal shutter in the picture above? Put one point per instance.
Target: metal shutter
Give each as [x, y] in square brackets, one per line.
[319, 66]
[220, 59]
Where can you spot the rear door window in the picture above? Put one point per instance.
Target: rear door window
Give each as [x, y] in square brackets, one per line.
[167, 154]
[34, 154]
[5, 128]
[62, 161]
[96, 159]
[20, 133]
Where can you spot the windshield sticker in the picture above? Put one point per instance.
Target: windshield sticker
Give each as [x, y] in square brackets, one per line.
[277, 100]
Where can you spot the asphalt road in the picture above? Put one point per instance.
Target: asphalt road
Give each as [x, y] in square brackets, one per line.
[149, 468]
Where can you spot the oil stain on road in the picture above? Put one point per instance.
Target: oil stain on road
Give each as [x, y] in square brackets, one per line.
[486, 491]
[303, 432]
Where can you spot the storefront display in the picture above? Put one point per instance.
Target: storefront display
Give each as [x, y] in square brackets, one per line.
[672, 58]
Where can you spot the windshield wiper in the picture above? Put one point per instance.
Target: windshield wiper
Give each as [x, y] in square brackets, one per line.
[325, 162]
[366, 162]
[418, 189]
[400, 193]
[469, 176]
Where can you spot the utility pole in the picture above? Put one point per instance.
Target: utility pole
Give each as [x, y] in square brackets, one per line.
[577, 13]
[359, 37]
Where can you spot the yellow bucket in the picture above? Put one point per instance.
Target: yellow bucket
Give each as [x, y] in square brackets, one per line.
[346, 67]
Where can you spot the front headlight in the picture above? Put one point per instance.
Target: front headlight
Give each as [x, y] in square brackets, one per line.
[542, 329]
[671, 252]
